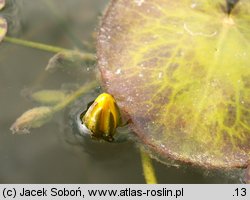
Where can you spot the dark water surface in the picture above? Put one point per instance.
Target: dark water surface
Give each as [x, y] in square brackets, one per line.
[52, 154]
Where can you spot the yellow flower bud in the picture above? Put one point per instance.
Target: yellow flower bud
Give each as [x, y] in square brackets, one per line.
[103, 117]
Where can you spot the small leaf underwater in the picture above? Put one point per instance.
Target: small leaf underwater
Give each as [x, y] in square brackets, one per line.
[33, 118]
[48, 97]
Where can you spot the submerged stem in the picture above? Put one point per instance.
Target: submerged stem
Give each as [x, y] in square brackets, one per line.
[69, 99]
[35, 45]
[44, 47]
[148, 168]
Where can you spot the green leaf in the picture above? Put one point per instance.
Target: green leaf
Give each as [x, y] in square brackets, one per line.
[48, 97]
[180, 69]
[33, 118]
[2, 4]
[3, 28]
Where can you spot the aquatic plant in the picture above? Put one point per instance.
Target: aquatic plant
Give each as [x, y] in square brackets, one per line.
[183, 95]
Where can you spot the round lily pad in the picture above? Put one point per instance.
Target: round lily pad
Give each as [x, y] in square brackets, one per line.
[180, 70]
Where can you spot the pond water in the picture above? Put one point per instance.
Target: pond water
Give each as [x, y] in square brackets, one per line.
[52, 153]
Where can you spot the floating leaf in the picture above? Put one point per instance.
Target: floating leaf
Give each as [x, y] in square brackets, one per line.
[180, 70]
[48, 97]
[3, 28]
[33, 118]
[2, 4]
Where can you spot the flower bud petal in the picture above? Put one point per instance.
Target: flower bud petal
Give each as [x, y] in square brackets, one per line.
[103, 117]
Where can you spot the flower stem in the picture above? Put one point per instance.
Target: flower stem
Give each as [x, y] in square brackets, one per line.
[148, 168]
[35, 45]
[44, 47]
[69, 99]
